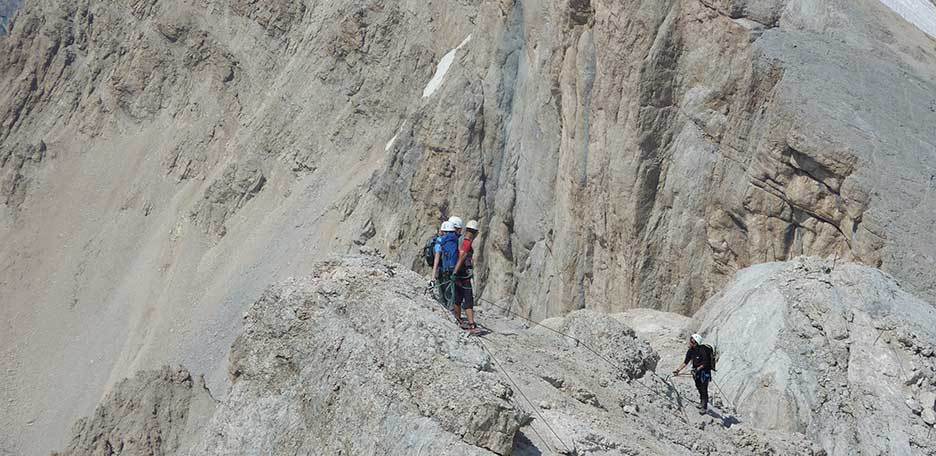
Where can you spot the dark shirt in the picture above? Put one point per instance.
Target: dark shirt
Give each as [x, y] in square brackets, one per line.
[700, 356]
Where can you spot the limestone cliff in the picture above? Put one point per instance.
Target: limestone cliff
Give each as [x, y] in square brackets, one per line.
[163, 161]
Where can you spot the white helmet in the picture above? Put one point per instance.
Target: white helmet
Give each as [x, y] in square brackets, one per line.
[697, 339]
[448, 227]
[472, 225]
[457, 222]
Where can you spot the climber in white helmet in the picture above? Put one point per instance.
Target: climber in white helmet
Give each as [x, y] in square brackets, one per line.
[464, 295]
[445, 255]
[447, 227]
[701, 356]
[458, 224]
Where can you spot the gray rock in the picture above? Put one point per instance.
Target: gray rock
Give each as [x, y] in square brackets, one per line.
[914, 377]
[914, 406]
[927, 399]
[321, 368]
[618, 154]
[929, 416]
[154, 413]
[770, 312]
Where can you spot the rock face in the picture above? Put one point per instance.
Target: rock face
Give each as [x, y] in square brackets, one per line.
[163, 161]
[830, 350]
[156, 413]
[585, 398]
[638, 154]
[354, 361]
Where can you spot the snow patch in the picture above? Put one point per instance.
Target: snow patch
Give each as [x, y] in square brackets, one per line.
[392, 140]
[921, 13]
[442, 68]
[390, 143]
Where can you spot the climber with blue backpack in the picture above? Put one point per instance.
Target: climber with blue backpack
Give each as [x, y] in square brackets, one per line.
[441, 253]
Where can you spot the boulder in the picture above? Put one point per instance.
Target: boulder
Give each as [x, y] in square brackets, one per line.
[785, 364]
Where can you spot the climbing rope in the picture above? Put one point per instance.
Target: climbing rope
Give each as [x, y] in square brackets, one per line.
[679, 397]
[724, 396]
[604, 358]
[532, 406]
[587, 347]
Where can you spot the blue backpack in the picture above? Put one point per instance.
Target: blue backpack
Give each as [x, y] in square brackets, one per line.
[449, 244]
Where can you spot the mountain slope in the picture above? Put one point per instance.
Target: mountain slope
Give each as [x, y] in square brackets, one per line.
[162, 162]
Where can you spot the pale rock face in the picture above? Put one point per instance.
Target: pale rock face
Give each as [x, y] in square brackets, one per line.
[815, 346]
[154, 413]
[353, 361]
[921, 13]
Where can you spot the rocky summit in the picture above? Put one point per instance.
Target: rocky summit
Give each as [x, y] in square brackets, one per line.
[164, 162]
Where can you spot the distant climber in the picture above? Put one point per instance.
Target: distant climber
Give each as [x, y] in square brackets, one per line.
[702, 359]
[461, 275]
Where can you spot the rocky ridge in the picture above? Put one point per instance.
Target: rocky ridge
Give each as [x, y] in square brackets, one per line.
[356, 359]
[833, 350]
[816, 358]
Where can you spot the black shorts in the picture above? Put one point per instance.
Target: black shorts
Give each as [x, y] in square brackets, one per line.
[464, 295]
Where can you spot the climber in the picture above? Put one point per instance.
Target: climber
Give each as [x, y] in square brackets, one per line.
[464, 295]
[446, 228]
[701, 357]
[459, 225]
[446, 256]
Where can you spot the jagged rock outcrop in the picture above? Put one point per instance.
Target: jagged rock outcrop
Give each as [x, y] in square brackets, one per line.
[155, 413]
[618, 154]
[840, 349]
[618, 343]
[354, 361]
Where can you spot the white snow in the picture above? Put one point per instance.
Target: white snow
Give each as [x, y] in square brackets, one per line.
[443, 68]
[390, 143]
[921, 13]
[392, 140]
